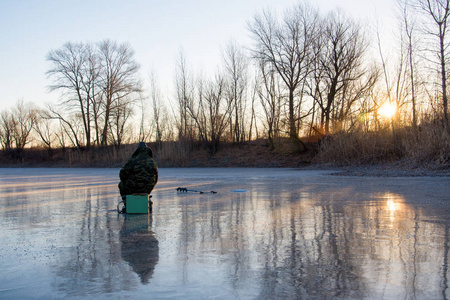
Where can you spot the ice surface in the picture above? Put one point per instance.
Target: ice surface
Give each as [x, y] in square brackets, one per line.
[286, 234]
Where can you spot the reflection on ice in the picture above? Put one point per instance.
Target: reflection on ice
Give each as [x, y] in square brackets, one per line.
[291, 234]
[139, 246]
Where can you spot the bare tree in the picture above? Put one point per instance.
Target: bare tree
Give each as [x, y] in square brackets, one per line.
[144, 129]
[24, 118]
[210, 112]
[61, 137]
[43, 127]
[354, 94]
[157, 106]
[92, 90]
[7, 125]
[340, 63]
[15, 128]
[69, 125]
[402, 86]
[184, 89]
[253, 121]
[236, 66]
[119, 81]
[270, 97]
[118, 119]
[74, 73]
[288, 47]
[437, 13]
[409, 29]
[396, 78]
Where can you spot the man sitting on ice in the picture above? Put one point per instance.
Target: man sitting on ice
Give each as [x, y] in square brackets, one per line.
[140, 173]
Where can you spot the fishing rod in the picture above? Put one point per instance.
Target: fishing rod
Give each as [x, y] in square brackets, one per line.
[186, 190]
[179, 190]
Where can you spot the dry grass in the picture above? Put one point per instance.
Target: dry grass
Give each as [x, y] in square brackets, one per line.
[169, 154]
[172, 154]
[98, 157]
[428, 146]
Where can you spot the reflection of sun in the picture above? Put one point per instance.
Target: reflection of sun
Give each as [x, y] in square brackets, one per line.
[387, 110]
[394, 205]
[391, 205]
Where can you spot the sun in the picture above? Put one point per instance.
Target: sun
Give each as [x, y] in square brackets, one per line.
[387, 110]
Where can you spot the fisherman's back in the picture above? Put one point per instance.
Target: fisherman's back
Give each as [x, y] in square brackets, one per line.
[140, 173]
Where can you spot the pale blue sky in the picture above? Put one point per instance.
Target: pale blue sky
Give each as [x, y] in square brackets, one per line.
[156, 30]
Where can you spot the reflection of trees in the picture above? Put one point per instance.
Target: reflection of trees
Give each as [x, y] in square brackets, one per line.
[341, 248]
[139, 246]
[445, 265]
[91, 263]
[213, 225]
[313, 259]
[312, 242]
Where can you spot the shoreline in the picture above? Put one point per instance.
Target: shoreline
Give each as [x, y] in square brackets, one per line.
[376, 171]
[382, 170]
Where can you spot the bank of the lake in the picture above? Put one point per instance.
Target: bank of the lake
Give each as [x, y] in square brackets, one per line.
[358, 157]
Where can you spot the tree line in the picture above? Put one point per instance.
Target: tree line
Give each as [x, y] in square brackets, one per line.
[306, 73]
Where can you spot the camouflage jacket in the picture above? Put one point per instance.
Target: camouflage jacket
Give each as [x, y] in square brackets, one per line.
[140, 173]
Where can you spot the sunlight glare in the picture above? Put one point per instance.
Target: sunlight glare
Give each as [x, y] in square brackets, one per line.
[394, 206]
[387, 110]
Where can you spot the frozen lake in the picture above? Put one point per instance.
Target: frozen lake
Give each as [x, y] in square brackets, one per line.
[266, 234]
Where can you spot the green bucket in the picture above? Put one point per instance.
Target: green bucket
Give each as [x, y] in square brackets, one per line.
[137, 204]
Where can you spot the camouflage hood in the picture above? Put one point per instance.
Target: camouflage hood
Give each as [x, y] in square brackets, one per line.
[142, 149]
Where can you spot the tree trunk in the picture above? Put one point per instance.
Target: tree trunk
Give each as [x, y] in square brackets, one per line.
[444, 79]
[292, 127]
